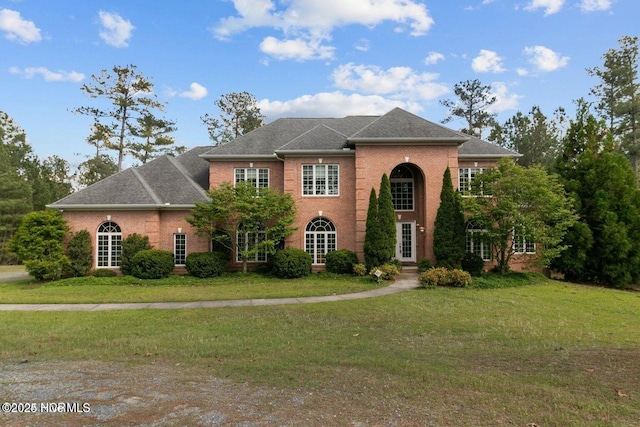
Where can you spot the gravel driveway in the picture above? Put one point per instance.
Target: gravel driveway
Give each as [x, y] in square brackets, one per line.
[114, 394]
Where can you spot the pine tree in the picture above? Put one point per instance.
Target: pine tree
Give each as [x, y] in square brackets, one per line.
[449, 234]
[387, 220]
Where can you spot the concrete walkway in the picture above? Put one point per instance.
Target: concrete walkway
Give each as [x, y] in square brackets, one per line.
[404, 282]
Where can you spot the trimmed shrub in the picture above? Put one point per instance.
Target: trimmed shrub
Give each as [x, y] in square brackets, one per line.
[79, 251]
[291, 263]
[459, 278]
[152, 264]
[341, 262]
[104, 272]
[360, 270]
[49, 268]
[440, 276]
[424, 265]
[206, 264]
[389, 271]
[133, 244]
[473, 263]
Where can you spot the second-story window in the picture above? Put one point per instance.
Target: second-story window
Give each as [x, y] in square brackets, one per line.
[258, 176]
[320, 180]
[466, 177]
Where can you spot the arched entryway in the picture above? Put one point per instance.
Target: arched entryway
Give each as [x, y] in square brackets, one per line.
[407, 191]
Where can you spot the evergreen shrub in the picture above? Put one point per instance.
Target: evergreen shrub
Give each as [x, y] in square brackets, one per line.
[131, 245]
[473, 263]
[152, 264]
[291, 263]
[341, 262]
[79, 251]
[206, 264]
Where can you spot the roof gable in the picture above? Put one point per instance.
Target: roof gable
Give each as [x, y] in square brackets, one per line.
[400, 124]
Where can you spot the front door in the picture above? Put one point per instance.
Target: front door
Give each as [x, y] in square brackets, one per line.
[406, 241]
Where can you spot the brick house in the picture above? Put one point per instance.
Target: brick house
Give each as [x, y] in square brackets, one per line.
[328, 165]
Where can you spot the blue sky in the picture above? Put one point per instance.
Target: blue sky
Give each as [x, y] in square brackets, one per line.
[306, 58]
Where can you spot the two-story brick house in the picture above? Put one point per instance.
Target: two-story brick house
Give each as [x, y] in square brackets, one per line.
[328, 165]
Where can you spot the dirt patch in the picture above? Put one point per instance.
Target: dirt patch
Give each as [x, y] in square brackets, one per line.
[115, 394]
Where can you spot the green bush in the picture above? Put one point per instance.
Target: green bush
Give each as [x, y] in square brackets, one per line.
[49, 268]
[473, 263]
[341, 262]
[131, 245]
[206, 264]
[441, 276]
[360, 270]
[389, 271]
[104, 272]
[424, 265]
[79, 251]
[152, 264]
[291, 263]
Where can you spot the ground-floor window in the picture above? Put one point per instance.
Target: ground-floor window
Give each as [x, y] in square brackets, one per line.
[477, 241]
[320, 237]
[109, 240]
[179, 249]
[247, 241]
[523, 243]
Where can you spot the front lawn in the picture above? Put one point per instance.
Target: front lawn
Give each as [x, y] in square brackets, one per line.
[552, 354]
[95, 290]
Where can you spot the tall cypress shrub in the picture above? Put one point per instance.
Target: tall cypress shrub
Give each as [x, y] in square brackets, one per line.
[449, 235]
[387, 221]
[372, 234]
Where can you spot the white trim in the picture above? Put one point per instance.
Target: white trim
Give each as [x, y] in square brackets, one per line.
[314, 167]
[175, 248]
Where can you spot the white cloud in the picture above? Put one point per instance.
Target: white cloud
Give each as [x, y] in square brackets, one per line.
[297, 49]
[595, 5]
[196, 91]
[116, 30]
[550, 6]
[504, 99]
[363, 45]
[487, 62]
[312, 21]
[522, 72]
[333, 104]
[18, 29]
[398, 82]
[433, 58]
[545, 59]
[47, 75]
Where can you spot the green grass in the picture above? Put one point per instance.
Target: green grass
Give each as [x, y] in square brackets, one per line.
[553, 354]
[94, 290]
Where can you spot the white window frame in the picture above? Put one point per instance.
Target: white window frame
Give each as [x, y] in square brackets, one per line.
[111, 236]
[471, 245]
[465, 179]
[242, 175]
[329, 190]
[243, 243]
[521, 244]
[179, 249]
[318, 243]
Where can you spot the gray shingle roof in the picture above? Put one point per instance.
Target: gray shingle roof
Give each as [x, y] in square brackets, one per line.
[477, 148]
[163, 182]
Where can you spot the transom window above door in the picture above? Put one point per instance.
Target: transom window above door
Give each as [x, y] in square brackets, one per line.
[402, 184]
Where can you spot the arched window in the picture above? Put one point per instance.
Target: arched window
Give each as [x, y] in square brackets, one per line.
[402, 183]
[109, 244]
[477, 241]
[320, 237]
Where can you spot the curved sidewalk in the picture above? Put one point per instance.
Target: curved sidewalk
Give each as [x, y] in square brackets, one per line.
[405, 281]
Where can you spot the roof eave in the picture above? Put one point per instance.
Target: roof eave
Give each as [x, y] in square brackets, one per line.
[487, 156]
[121, 207]
[229, 157]
[306, 153]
